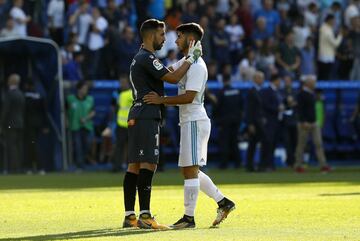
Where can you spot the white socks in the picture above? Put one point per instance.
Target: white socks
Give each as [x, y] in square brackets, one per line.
[191, 192]
[208, 187]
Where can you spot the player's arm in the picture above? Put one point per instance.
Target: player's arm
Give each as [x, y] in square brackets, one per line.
[174, 77]
[154, 98]
[195, 51]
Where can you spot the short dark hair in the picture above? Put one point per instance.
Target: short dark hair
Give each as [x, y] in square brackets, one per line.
[329, 17]
[80, 84]
[150, 25]
[191, 28]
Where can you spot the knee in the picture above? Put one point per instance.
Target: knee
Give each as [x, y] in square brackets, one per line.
[190, 172]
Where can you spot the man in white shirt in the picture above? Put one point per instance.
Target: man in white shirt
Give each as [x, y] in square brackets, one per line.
[55, 12]
[351, 12]
[328, 44]
[20, 18]
[194, 131]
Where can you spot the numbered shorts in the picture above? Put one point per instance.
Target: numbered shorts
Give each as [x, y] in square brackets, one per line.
[194, 137]
[143, 141]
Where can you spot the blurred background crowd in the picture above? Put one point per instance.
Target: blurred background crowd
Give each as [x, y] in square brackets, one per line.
[288, 43]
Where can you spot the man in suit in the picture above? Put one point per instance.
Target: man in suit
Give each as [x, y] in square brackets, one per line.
[12, 124]
[255, 120]
[228, 122]
[273, 108]
[307, 125]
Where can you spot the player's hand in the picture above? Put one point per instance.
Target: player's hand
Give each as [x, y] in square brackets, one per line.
[195, 51]
[152, 98]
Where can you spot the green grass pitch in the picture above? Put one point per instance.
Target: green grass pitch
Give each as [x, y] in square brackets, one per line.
[270, 206]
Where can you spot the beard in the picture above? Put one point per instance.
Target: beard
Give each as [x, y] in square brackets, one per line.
[157, 46]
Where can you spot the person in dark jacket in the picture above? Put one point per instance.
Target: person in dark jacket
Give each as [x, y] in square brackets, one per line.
[289, 121]
[35, 124]
[255, 120]
[12, 125]
[307, 125]
[273, 108]
[228, 122]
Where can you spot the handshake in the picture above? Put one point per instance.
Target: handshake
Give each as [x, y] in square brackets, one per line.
[195, 51]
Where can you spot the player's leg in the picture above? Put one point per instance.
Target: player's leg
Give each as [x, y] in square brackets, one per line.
[225, 205]
[131, 176]
[129, 186]
[147, 152]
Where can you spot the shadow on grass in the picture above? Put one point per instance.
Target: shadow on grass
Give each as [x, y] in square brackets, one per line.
[339, 194]
[99, 233]
[70, 181]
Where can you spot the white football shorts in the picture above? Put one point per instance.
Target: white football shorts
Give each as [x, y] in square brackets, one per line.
[194, 137]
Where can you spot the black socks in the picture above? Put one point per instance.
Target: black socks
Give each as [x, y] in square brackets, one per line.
[129, 185]
[144, 183]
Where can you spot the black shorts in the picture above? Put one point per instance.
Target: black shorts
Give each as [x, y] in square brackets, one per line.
[144, 141]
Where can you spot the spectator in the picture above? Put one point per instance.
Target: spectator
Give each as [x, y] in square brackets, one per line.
[355, 41]
[68, 50]
[20, 18]
[334, 9]
[35, 124]
[125, 101]
[286, 23]
[213, 71]
[127, 48]
[72, 70]
[80, 114]
[4, 12]
[228, 122]
[311, 16]
[265, 59]
[261, 32]
[307, 66]
[55, 12]
[247, 67]
[352, 11]
[289, 120]
[272, 108]
[112, 14]
[206, 40]
[236, 33]
[157, 9]
[288, 57]
[301, 32]
[320, 108]
[345, 57]
[255, 121]
[80, 22]
[96, 42]
[221, 41]
[245, 17]
[307, 125]
[328, 44]
[190, 15]
[9, 30]
[12, 124]
[271, 16]
[171, 58]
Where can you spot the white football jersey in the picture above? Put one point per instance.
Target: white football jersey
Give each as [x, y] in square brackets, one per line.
[195, 80]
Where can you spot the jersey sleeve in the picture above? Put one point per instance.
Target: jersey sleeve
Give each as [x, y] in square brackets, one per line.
[195, 78]
[154, 66]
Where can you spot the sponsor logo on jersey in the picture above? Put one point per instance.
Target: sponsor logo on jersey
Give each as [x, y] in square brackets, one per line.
[141, 153]
[157, 64]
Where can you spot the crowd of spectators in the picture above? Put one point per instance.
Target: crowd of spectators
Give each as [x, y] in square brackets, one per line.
[98, 38]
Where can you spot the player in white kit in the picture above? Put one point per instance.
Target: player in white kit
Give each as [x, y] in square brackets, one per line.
[194, 131]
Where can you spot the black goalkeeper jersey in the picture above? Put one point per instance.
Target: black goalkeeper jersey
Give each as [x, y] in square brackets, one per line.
[145, 76]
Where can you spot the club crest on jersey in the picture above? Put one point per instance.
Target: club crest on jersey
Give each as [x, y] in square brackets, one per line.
[157, 64]
[151, 56]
